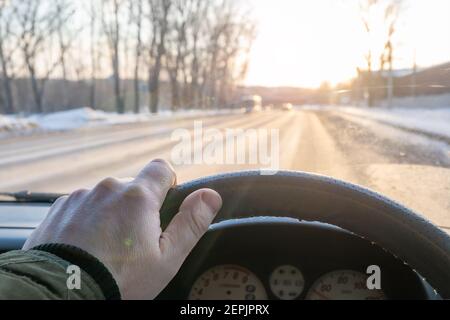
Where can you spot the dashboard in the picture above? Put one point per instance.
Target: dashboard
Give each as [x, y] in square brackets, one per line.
[265, 258]
[285, 259]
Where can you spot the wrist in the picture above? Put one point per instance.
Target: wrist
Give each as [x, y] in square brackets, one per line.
[88, 263]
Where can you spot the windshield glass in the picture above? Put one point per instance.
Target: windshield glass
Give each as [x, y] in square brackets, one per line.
[358, 90]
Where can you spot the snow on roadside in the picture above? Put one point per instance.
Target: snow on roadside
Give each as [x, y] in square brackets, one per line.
[87, 117]
[13, 124]
[83, 117]
[431, 121]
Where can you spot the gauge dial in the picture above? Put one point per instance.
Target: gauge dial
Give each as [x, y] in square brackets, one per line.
[228, 282]
[343, 285]
[287, 282]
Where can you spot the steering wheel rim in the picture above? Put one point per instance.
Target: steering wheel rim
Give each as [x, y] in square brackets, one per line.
[400, 231]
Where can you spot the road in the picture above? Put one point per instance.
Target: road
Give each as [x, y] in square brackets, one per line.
[406, 166]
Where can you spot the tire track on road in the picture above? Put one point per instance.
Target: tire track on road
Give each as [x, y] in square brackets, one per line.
[13, 156]
[67, 173]
[278, 120]
[317, 151]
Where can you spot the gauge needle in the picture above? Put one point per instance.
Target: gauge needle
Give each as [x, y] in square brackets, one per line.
[321, 295]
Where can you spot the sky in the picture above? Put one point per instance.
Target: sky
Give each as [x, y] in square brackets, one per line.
[307, 42]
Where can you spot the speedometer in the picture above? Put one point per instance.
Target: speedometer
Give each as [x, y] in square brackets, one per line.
[343, 285]
[228, 282]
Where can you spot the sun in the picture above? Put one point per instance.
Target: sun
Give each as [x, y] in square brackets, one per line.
[308, 42]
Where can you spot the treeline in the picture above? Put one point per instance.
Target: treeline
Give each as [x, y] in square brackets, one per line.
[53, 51]
[384, 15]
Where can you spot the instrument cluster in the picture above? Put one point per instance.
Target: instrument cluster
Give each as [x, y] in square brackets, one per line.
[273, 259]
[286, 282]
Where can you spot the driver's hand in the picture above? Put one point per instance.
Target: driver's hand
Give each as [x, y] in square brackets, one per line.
[119, 224]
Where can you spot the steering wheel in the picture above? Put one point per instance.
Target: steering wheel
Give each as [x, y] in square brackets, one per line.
[410, 237]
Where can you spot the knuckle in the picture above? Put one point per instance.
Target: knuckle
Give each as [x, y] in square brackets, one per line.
[60, 201]
[162, 171]
[79, 193]
[135, 191]
[57, 206]
[111, 184]
[162, 163]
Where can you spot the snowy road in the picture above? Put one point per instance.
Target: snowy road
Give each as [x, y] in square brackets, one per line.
[413, 169]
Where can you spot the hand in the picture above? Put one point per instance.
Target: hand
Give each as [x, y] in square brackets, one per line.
[119, 224]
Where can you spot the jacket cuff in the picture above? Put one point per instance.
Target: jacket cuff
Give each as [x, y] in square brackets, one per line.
[88, 263]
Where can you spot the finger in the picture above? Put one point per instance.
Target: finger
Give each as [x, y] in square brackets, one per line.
[59, 201]
[125, 180]
[158, 177]
[196, 214]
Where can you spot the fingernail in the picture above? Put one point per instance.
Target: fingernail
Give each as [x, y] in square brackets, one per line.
[213, 200]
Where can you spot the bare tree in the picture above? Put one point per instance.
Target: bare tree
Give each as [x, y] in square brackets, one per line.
[92, 10]
[217, 25]
[177, 52]
[159, 19]
[230, 32]
[7, 49]
[111, 22]
[366, 10]
[200, 46]
[65, 37]
[391, 17]
[36, 24]
[197, 34]
[238, 38]
[137, 15]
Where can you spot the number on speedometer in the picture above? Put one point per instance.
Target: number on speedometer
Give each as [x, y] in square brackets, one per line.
[343, 285]
[228, 282]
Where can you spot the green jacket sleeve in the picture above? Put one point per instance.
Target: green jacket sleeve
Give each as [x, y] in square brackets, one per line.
[42, 273]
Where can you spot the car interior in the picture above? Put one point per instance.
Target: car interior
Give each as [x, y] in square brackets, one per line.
[320, 128]
[290, 236]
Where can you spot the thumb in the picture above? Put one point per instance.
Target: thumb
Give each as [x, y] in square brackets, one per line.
[196, 214]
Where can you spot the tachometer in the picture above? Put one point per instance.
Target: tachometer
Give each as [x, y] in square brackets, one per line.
[343, 285]
[228, 282]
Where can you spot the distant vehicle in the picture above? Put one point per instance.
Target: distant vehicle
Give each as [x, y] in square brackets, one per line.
[287, 107]
[251, 103]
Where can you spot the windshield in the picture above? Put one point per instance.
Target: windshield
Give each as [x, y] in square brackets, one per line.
[358, 90]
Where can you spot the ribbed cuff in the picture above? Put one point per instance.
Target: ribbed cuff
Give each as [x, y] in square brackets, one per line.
[88, 263]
